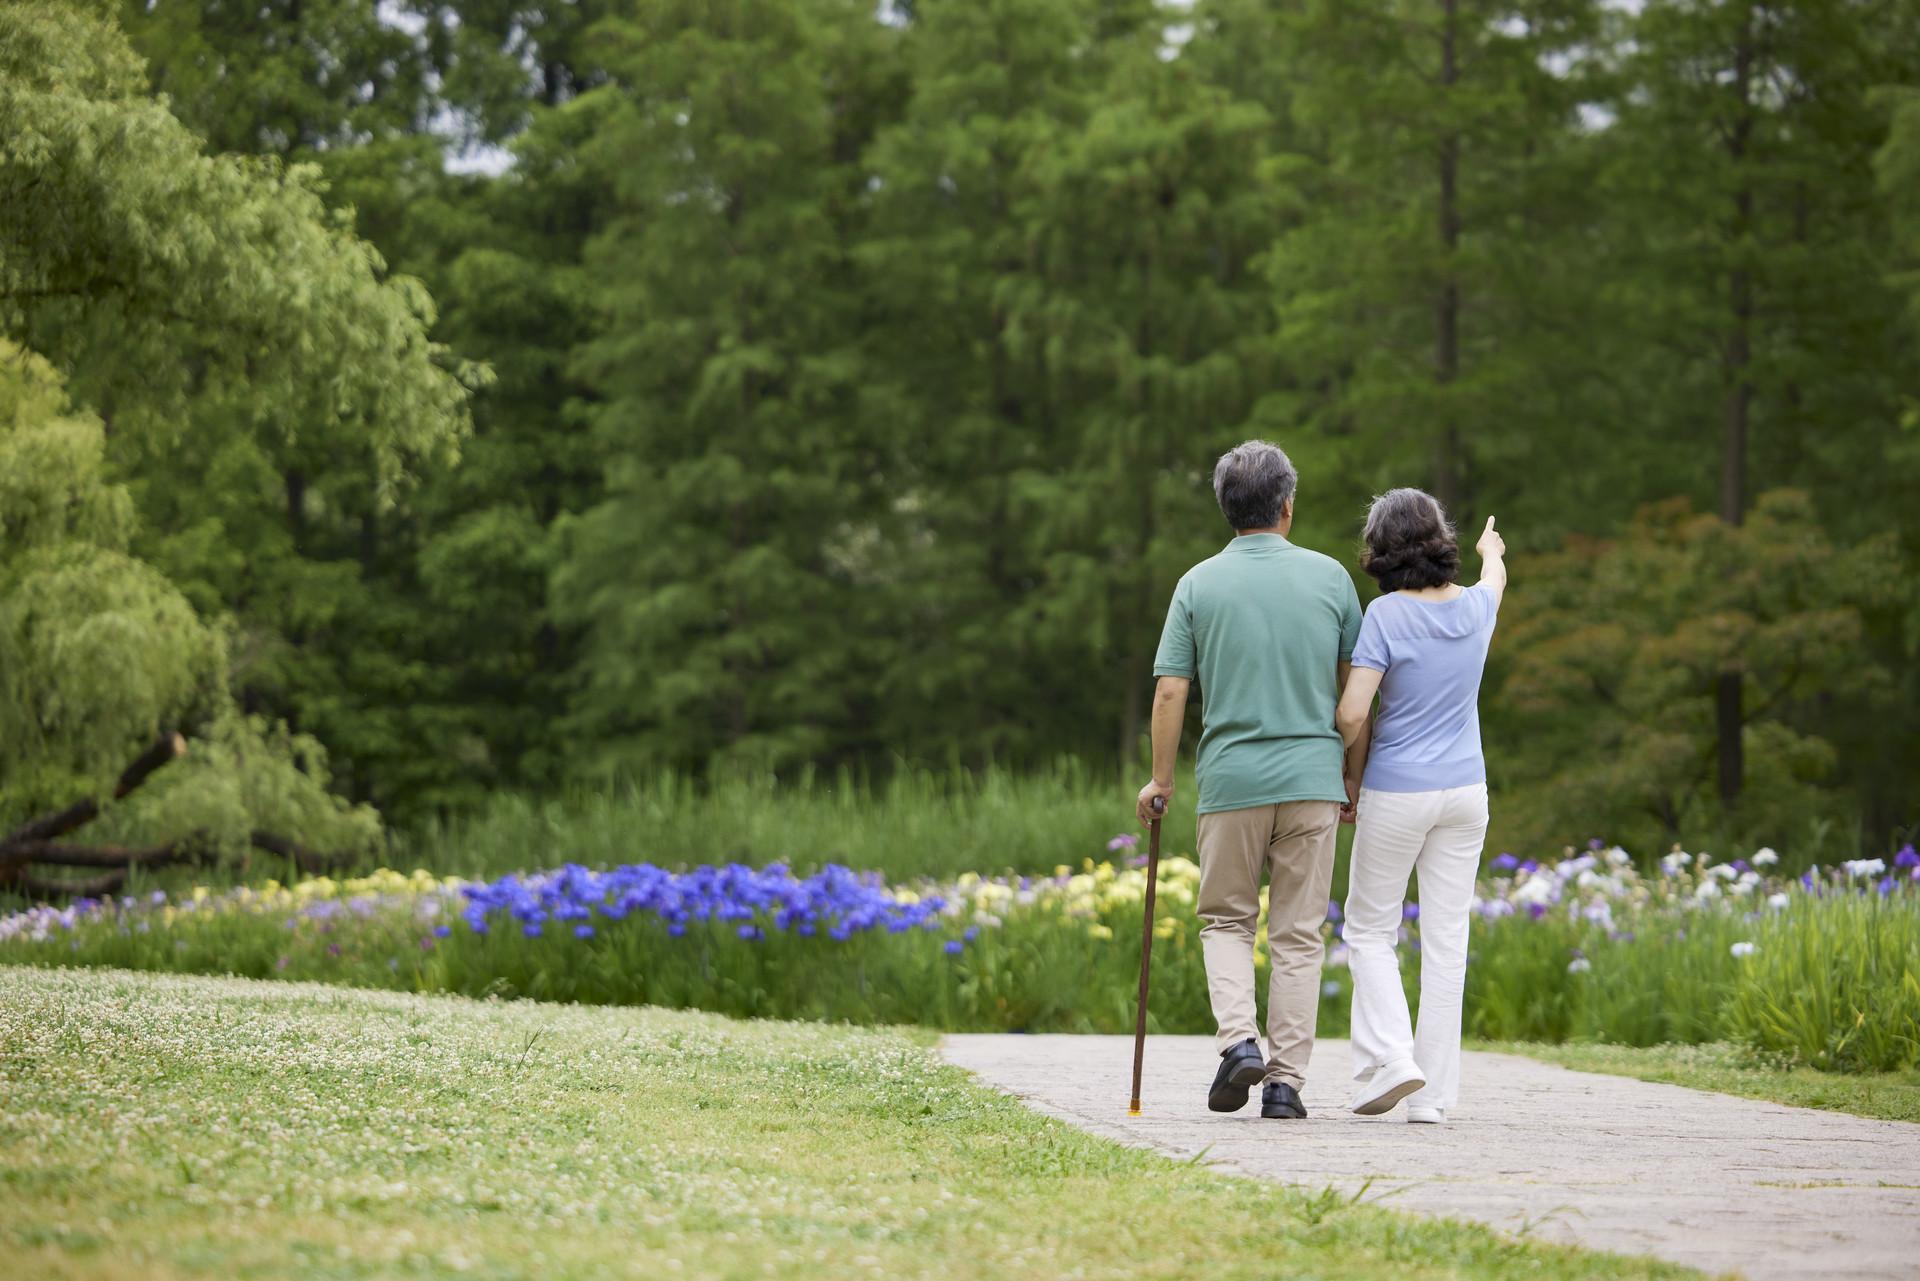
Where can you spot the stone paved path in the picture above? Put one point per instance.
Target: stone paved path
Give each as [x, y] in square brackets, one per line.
[1716, 1182]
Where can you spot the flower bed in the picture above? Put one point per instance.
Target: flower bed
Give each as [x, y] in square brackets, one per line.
[1826, 966]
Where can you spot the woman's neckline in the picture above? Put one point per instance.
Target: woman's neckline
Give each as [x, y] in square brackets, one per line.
[1458, 592]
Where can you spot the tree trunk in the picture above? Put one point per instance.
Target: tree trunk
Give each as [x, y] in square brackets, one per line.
[1447, 482]
[1738, 379]
[297, 508]
[1130, 719]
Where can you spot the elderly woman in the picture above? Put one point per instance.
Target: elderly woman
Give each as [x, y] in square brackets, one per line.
[1423, 795]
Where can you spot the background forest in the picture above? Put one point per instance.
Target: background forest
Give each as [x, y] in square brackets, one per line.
[417, 402]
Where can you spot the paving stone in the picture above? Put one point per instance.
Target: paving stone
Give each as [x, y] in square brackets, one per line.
[1716, 1182]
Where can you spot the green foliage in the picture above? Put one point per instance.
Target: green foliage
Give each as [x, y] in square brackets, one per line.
[1609, 654]
[705, 582]
[1427, 285]
[914, 824]
[162, 275]
[223, 322]
[100, 651]
[97, 649]
[1842, 997]
[244, 774]
[858, 380]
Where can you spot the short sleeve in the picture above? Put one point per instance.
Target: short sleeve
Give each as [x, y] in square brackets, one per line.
[1175, 656]
[1349, 619]
[1372, 650]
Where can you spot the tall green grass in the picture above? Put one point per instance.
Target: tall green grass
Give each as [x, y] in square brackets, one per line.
[914, 824]
[1833, 982]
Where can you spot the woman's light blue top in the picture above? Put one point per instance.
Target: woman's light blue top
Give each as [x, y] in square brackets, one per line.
[1427, 735]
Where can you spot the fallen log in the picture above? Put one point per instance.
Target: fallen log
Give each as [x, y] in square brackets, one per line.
[168, 747]
[91, 887]
[94, 855]
[309, 861]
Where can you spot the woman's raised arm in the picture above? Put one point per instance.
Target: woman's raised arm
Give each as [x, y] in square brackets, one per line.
[1493, 558]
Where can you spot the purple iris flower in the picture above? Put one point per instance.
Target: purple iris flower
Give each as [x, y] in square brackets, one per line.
[1411, 912]
[1906, 857]
[836, 899]
[441, 931]
[1505, 862]
[954, 947]
[1333, 910]
[971, 933]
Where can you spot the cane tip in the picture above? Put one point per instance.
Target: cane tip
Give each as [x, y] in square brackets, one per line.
[1133, 1111]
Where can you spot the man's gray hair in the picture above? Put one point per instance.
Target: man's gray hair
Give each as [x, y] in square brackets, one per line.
[1253, 482]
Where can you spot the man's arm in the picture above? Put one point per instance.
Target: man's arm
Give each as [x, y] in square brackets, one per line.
[1169, 717]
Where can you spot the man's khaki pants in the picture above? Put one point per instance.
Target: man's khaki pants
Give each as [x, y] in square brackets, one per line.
[1293, 843]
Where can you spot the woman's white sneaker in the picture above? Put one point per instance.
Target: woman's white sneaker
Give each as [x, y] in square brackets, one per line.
[1389, 1085]
[1426, 1116]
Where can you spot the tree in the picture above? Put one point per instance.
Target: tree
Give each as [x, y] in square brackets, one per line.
[957, 556]
[1423, 294]
[164, 276]
[223, 324]
[1742, 166]
[1142, 318]
[713, 607]
[1610, 660]
[228, 328]
[99, 654]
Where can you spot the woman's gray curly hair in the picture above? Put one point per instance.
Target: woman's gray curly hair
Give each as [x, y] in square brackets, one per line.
[1409, 542]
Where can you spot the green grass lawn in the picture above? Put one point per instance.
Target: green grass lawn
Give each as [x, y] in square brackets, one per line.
[1735, 1069]
[169, 1126]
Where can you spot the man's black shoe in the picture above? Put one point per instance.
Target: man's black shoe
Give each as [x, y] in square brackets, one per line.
[1240, 1066]
[1280, 1101]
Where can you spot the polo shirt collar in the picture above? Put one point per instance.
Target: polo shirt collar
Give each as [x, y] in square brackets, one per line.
[1256, 542]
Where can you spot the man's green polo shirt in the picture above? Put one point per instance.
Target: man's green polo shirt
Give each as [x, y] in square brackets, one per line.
[1263, 625]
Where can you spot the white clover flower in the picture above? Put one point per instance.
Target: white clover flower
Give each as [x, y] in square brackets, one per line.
[1743, 949]
[1765, 857]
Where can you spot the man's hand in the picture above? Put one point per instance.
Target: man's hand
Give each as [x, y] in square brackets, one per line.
[1144, 806]
[1351, 810]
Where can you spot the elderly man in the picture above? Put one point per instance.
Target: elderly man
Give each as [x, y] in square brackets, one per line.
[1267, 628]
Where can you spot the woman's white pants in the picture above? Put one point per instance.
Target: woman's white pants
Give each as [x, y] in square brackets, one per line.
[1440, 833]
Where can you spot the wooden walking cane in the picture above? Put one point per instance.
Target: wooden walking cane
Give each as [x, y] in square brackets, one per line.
[1146, 950]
